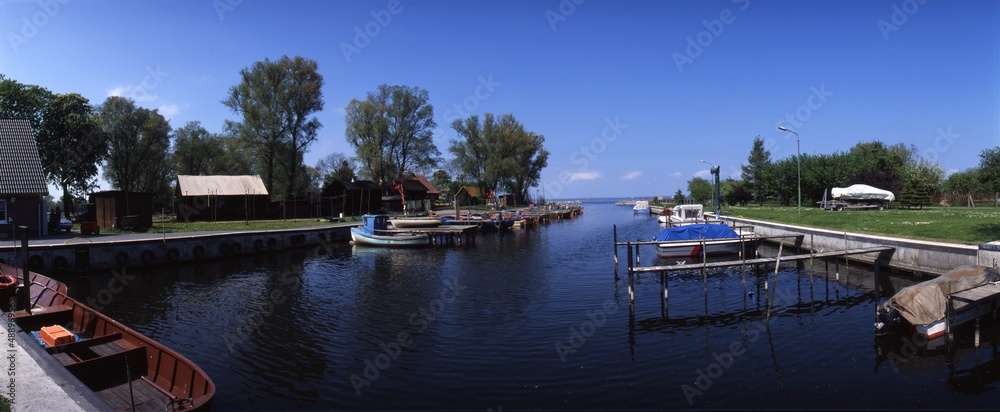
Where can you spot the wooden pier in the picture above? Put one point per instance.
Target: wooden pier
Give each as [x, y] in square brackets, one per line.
[450, 235]
[972, 304]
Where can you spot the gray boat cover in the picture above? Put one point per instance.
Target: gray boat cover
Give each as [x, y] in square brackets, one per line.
[927, 302]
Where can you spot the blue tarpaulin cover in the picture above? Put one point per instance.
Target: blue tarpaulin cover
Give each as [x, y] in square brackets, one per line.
[697, 232]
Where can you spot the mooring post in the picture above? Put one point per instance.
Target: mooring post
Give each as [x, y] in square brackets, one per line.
[628, 247]
[614, 236]
[770, 294]
[637, 263]
[25, 299]
[878, 295]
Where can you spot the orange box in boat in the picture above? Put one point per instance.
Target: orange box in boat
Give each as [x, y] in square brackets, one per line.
[55, 335]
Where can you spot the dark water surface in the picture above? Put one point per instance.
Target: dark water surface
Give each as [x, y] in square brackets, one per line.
[535, 319]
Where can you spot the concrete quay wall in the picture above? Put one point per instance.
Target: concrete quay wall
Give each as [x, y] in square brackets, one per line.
[88, 254]
[917, 256]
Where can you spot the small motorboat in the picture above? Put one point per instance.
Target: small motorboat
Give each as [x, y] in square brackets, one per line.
[412, 222]
[923, 308]
[698, 239]
[375, 231]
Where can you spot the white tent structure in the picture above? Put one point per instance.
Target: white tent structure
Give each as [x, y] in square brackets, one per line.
[862, 192]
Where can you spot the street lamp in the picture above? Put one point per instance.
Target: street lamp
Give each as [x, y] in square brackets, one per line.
[798, 162]
[715, 173]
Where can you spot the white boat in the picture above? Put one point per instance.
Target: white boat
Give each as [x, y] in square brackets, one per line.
[641, 206]
[683, 215]
[374, 232]
[411, 222]
[698, 239]
[923, 308]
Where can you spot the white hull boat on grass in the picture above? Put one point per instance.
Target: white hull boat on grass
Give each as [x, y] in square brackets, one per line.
[374, 232]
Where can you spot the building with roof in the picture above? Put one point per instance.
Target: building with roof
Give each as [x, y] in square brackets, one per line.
[469, 195]
[212, 198]
[22, 180]
[131, 211]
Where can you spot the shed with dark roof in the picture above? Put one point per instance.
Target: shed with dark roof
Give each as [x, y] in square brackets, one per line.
[22, 179]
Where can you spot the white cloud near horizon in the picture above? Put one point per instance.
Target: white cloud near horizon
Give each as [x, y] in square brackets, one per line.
[632, 175]
[584, 176]
[139, 95]
[168, 111]
[704, 174]
[676, 174]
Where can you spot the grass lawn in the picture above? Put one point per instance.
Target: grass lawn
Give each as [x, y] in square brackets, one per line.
[951, 224]
[176, 227]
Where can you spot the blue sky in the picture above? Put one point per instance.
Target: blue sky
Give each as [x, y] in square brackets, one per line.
[629, 95]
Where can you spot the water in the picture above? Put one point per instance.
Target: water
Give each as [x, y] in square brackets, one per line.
[534, 319]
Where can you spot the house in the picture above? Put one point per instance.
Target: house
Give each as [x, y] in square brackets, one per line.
[410, 190]
[123, 210]
[433, 193]
[469, 195]
[22, 180]
[354, 198]
[213, 198]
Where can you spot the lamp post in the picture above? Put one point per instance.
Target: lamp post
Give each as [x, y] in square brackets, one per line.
[715, 173]
[798, 162]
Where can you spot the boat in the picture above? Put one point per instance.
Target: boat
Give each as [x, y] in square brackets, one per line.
[922, 308]
[683, 215]
[641, 206]
[412, 222]
[374, 231]
[123, 367]
[696, 239]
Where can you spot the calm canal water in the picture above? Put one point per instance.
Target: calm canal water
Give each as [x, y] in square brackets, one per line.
[535, 319]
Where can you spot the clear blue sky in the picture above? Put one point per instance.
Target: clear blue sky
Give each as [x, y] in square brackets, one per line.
[681, 81]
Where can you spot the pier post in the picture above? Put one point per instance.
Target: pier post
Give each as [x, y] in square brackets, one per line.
[614, 236]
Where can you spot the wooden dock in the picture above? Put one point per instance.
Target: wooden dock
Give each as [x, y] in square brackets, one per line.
[972, 304]
[449, 235]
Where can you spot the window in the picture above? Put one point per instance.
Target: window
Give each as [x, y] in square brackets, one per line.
[3, 211]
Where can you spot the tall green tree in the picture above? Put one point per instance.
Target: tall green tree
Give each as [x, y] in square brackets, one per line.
[700, 189]
[196, 150]
[678, 197]
[392, 132]
[499, 153]
[23, 100]
[989, 169]
[138, 148]
[277, 101]
[964, 182]
[440, 180]
[754, 173]
[71, 145]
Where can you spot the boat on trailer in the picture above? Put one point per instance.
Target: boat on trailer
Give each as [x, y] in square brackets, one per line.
[374, 231]
[414, 222]
[125, 368]
[696, 239]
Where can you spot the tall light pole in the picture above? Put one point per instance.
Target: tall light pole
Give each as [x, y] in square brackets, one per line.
[798, 162]
[715, 173]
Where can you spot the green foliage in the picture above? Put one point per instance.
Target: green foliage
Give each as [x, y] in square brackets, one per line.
[277, 100]
[138, 143]
[71, 145]
[756, 172]
[701, 190]
[22, 100]
[392, 132]
[440, 180]
[499, 153]
[678, 197]
[989, 169]
[964, 182]
[196, 151]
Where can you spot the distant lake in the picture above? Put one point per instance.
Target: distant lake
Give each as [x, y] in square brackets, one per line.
[535, 319]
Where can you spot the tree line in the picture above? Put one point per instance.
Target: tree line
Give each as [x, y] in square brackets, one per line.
[899, 168]
[275, 106]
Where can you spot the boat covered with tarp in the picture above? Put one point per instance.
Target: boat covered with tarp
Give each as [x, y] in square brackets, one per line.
[923, 307]
[697, 239]
[862, 192]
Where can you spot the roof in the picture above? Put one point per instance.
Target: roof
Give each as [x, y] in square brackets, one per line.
[220, 185]
[431, 190]
[20, 168]
[411, 185]
[471, 190]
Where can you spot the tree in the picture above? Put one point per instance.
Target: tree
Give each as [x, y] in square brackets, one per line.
[335, 166]
[754, 173]
[964, 182]
[196, 151]
[71, 145]
[277, 100]
[139, 143]
[700, 189]
[440, 180]
[499, 153]
[678, 197]
[989, 169]
[392, 132]
[22, 100]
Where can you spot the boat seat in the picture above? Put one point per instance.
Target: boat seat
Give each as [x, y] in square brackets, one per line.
[87, 343]
[110, 370]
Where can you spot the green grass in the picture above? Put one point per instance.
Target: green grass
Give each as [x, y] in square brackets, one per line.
[177, 227]
[951, 224]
